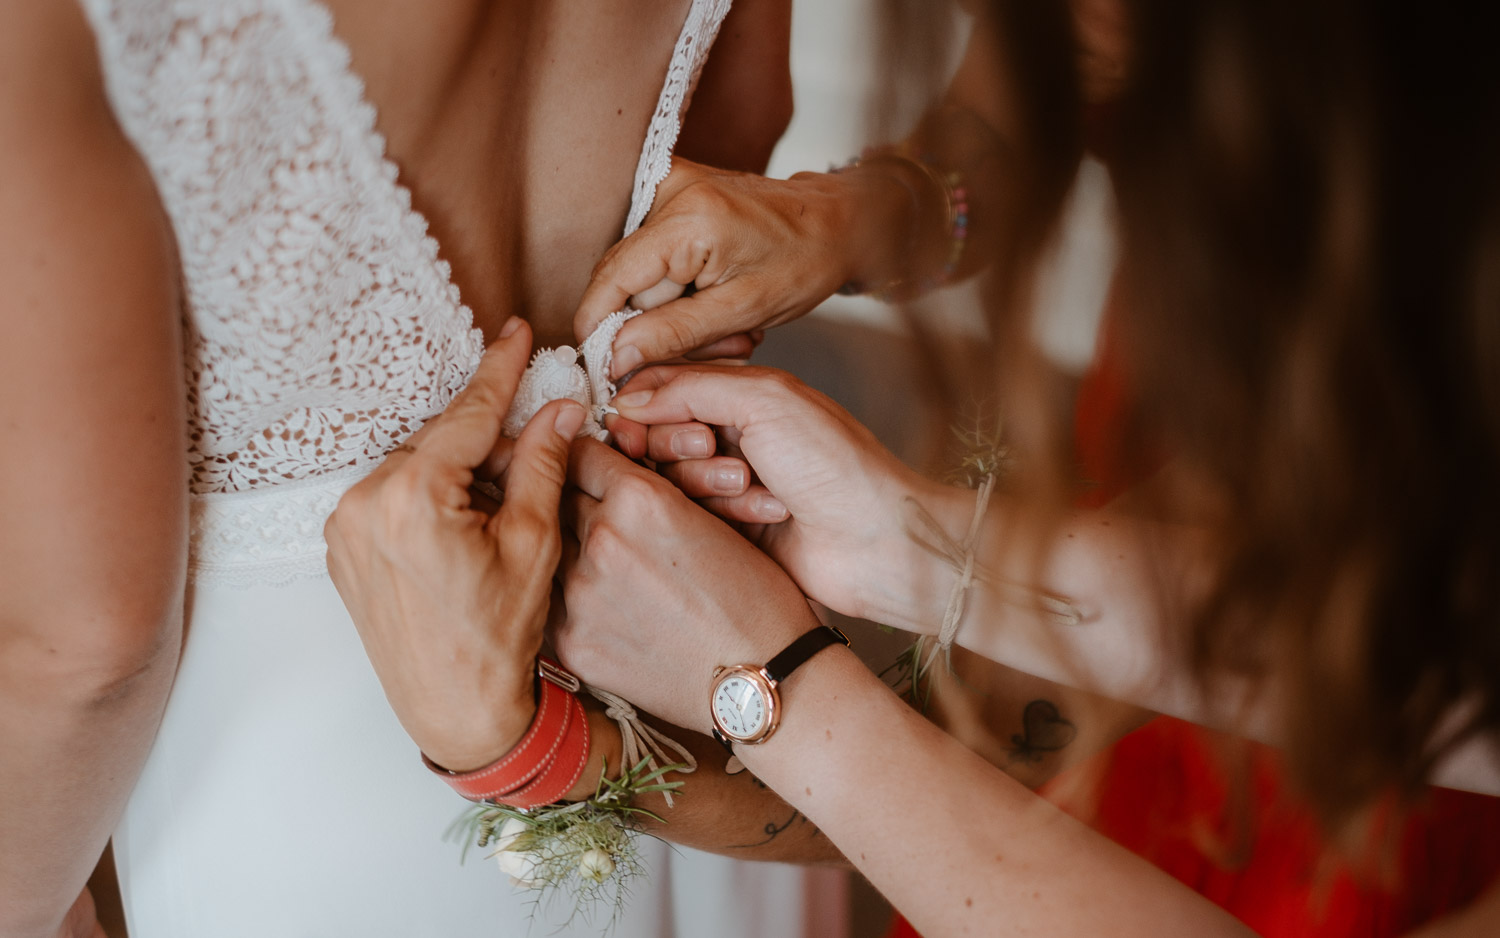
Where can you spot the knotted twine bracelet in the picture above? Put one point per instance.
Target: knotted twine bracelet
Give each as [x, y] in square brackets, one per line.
[962, 556]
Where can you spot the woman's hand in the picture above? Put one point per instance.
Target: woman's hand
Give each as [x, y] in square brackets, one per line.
[659, 592]
[833, 496]
[449, 601]
[759, 251]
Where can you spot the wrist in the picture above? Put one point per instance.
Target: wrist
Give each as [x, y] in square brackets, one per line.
[868, 211]
[905, 585]
[605, 753]
[488, 732]
[898, 221]
[812, 700]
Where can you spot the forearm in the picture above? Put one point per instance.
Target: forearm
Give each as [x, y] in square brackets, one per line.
[1096, 600]
[1028, 727]
[75, 729]
[1133, 585]
[734, 815]
[897, 795]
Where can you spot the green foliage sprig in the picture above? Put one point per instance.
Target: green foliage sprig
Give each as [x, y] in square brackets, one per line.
[584, 852]
[982, 451]
[909, 674]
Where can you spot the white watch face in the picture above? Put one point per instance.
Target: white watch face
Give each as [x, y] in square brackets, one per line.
[739, 707]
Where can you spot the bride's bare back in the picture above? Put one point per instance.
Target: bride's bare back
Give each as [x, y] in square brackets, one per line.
[517, 126]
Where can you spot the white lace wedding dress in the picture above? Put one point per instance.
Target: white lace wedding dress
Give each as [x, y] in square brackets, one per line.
[281, 797]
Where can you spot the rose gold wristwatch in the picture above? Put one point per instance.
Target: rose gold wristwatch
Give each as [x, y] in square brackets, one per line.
[744, 701]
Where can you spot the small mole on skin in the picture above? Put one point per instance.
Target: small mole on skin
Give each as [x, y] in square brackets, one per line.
[828, 733]
[999, 858]
[968, 901]
[619, 111]
[1036, 895]
[808, 790]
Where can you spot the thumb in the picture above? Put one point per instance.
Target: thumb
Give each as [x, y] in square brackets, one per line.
[527, 524]
[681, 326]
[471, 424]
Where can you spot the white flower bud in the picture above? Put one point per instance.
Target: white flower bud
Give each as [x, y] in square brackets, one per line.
[518, 865]
[596, 865]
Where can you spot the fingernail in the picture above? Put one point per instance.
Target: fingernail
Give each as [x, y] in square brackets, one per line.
[770, 508]
[634, 399]
[510, 327]
[627, 359]
[569, 419]
[691, 443]
[730, 480]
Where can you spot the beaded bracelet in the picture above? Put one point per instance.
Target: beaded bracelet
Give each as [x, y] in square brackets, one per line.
[956, 200]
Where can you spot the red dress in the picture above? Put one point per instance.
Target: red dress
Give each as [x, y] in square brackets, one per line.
[1163, 792]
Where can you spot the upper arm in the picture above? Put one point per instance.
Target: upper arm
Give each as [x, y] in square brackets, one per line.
[743, 101]
[92, 486]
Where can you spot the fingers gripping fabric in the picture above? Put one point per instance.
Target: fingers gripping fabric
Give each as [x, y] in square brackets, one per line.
[555, 374]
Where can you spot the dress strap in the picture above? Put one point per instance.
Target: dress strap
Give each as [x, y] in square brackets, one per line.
[697, 37]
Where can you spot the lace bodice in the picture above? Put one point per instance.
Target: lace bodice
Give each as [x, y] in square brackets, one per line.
[322, 327]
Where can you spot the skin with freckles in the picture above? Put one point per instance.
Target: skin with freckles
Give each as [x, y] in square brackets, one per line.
[698, 569]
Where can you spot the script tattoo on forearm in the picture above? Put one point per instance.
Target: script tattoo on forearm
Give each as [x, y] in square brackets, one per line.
[1043, 730]
[772, 830]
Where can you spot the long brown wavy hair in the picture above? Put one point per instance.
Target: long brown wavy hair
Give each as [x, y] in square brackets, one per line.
[1309, 298]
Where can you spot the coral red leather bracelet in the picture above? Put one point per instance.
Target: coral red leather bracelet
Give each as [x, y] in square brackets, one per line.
[561, 772]
[548, 760]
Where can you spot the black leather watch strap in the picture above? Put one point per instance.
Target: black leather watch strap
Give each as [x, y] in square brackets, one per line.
[792, 657]
[723, 740]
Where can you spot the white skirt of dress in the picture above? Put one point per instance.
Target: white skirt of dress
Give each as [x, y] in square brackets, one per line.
[282, 799]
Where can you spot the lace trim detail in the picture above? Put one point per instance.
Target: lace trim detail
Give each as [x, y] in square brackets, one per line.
[269, 536]
[698, 34]
[321, 326]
